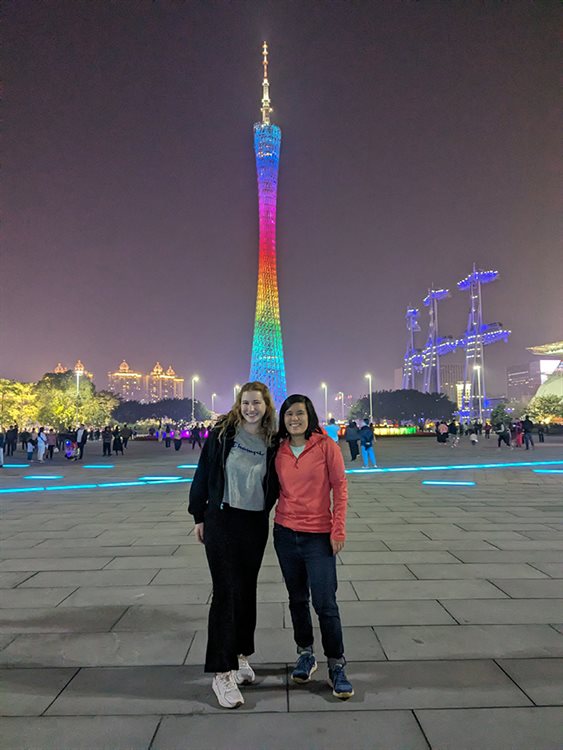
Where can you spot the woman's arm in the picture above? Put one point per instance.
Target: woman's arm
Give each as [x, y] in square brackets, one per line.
[339, 486]
[199, 489]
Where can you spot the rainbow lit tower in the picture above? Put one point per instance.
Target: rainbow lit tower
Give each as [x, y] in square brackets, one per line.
[267, 363]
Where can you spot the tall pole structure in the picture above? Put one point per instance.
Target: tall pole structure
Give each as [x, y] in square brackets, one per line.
[194, 381]
[324, 386]
[370, 386]
[267, 362]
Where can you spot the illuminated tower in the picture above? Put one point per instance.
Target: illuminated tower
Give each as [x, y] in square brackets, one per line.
[267, 364]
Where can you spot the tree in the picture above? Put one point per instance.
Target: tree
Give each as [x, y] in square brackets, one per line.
[546, 408]
[18, 403]
[404, 406]
[63, 402]
[499, 415]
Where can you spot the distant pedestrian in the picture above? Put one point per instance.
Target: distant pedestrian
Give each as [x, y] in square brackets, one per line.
[527, 427]
[106, 441]
[126, 433]
[503, 435]
[177, 440]
[41, 445]
[332, 430]
[51, 443]
[81, 439]
[488, 428]
[367, 439]
[117, 442]
[442, 432]
[541, 433]
[195, 436]
[2, 443]
[352, 436]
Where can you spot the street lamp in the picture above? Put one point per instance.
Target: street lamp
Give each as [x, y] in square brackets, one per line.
[368, 376]
[341, 397]
[195, 379]
[236, 389]
[79, 372]
[213, 397]
[325, 389]
[479, 397]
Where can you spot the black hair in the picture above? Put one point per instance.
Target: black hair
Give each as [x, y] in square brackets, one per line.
[313, 419]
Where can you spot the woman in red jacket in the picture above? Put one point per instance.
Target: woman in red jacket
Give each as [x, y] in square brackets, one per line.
[309, 531]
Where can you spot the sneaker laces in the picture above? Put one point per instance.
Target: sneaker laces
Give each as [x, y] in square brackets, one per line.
[228, 680]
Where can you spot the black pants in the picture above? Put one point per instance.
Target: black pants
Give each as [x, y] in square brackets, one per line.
[80, 450]
[125, 441]
[194, 441]
[234, 544]
[50, 451]
[107, 449]
[354, 450]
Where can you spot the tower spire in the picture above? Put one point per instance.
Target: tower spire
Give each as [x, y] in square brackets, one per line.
[266, 108]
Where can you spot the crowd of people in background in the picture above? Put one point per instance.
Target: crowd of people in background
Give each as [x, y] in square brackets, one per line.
[513, 434]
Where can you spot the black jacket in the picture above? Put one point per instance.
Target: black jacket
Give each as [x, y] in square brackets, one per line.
[208, 485]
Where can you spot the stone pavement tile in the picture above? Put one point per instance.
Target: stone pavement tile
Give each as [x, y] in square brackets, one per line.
[58, 620]
[531, 544]
[555, 570]
[163, 690]
[475, 570]
[91, 578]
[547, 535]
[138, 563]
[46, 534]
[78, 733]
[68, 563]
[277, 592]
[557, 627]
[184, 575]
[138, 595]
[518, 589]
[28, 692]
[84, 544]
[470, 642]
[391, 613]
[97, 649]
[492, 728]
[389, 730]
[277, 645]
[374, 573]
[184, 617]
[411, 684]
[9, 580]
[505, 611]
[444, 589]
[509, 556]
[23, 545]
[541, 679]
[383, 558]
[13, 598]
[88, 552]
[445, 544]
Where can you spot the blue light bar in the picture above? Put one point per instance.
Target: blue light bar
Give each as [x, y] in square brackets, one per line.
[99, 466]
[453, 467]
[17, 466]
[186, 466]
[22, 489]
[61, 487]
[548, 471]
[44, 476]
[450, 484]
[156, 479]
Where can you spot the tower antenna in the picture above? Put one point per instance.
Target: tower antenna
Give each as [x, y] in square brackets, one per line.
[266, 104]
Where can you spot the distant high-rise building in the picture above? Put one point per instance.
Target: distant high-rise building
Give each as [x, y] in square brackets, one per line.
[450, 376]
[522, 382]
[126, 383]
[161, 384]
[463, 393]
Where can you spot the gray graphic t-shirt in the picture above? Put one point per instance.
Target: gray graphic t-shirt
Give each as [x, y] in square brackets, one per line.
[245, 470]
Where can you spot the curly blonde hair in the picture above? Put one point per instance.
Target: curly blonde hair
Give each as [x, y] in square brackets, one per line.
[234, 418]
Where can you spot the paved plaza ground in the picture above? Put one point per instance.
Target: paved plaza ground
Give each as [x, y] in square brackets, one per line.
[451, 599]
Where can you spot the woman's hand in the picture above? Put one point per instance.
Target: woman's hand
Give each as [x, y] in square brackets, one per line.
[336, 546]
[199, 532]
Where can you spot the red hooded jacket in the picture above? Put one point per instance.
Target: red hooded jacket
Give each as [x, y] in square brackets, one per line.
[305, 485]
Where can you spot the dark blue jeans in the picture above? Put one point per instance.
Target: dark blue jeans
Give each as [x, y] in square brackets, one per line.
[309, 570]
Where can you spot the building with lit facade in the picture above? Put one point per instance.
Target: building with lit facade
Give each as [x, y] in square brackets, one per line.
[126, 383]
[161, 384]
[450, 376]
[524, 381]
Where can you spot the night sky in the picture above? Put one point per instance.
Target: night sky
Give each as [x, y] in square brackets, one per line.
[416, 139]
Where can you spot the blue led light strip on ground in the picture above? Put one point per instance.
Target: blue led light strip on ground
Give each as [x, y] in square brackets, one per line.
[102, 485]
[454, 467]
[450, 484]
[44, 476]
[548, 471]
[186, 466]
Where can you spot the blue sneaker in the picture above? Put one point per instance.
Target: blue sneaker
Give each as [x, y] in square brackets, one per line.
[305, 666]
[341, 686]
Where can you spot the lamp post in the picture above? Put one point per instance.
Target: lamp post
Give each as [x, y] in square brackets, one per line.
[236, 389]
[325, 389]
[341, 397]
[213, 397]
[479, 396]
[368, 376]
[195, 379]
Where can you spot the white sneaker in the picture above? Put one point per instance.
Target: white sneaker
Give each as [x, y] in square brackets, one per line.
[226, 689]
[244, 675]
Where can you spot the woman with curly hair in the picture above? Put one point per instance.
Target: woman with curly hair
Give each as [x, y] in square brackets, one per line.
[234, 488]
